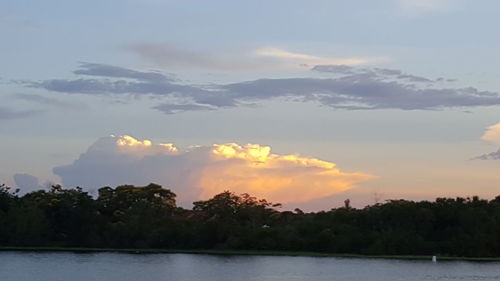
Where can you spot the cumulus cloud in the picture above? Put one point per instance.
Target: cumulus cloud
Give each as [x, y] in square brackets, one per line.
[203, 171]
[27, 183]
[267, 58]
[345, 87]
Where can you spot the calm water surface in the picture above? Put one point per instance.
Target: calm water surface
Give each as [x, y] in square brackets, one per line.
[21, 266]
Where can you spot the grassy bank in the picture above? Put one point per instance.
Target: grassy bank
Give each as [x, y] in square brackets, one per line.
[243, 253]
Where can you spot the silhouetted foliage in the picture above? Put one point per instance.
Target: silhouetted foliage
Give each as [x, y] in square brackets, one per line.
[147, 217]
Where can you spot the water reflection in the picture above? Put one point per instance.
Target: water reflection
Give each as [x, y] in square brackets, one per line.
[18, 266]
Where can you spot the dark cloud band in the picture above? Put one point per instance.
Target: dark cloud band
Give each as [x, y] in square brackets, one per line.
[348, 88]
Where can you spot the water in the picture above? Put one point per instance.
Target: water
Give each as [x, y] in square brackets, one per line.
[21, 266]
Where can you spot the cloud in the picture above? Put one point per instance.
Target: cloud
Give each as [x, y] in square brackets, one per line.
[7, 113]
[423, 6]
[492, 134]
[306, 60]
[346, 88]
[27, 183]
[172, 56]
[203, 171]
[47, 101]
[106, 86]
[176, 108]
[376, 73]
[113, 80]
[490, 156]
[104, 70]
[259, 59]
[361, 91]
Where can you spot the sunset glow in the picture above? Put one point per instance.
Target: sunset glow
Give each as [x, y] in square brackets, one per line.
[299, 103]
[200, 172]
[284, 178]
[492, 134]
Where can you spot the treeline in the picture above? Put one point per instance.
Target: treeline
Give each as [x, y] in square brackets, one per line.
[148, 217]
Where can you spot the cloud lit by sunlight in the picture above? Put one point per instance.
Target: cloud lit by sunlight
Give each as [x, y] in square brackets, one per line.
[203, 171]
[128, 144]
[130, 141]
[255, 170]
[305, 60]
[492, 134]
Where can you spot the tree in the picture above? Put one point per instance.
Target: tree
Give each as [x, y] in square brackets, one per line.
[235, 221]
[125, 197]
[136, 216]
[69, 213]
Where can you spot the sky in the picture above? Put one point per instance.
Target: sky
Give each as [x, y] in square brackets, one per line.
[305, 103]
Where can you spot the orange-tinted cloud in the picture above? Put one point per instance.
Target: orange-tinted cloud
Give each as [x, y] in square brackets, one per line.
[492, 134]
[203, 171]
[255, 170]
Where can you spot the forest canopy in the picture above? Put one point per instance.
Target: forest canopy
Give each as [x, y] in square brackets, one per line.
[147, 217]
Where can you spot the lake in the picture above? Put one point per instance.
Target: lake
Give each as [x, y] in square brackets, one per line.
[21, 266]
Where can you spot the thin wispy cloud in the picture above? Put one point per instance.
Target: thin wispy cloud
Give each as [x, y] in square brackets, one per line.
[176, 108]
[292, 59]
[423, 6]
[47, 101]
[260, 59]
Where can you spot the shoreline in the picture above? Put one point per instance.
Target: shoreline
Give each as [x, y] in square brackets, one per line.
[244, 253]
